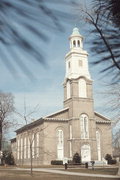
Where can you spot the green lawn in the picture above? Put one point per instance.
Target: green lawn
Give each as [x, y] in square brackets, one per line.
[106, 171]
[8, 174]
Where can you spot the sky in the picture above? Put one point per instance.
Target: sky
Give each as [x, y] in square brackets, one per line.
[46, 90]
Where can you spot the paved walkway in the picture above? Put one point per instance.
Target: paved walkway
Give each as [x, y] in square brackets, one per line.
[48, 170]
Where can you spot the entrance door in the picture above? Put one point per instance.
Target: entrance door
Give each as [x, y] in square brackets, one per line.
[85, 153]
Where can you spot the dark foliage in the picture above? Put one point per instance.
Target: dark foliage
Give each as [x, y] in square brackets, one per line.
[23, 20]
[6, 108]
[56, 162]
[106, 30]
[108, 157]
[76, 158]
[8, 158]
[111, 8]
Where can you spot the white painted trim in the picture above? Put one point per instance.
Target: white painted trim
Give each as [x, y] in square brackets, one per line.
[60, 144]
[37, 144]
[25, 148]
[18, 149]
[102, 116]
[57, 112]
[98, 139]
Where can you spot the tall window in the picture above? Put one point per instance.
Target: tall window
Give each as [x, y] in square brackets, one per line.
[70, 149]
[78, 43]
[60, 144]
[28, 146]
[33, 145]
[98, 145]
[70, 131]
[18, 149]
[74, 43]
[82, 88]
[25, 147]
[70, 141]
[84, 126]
[21, 145]
[68, 89]
[37, 144]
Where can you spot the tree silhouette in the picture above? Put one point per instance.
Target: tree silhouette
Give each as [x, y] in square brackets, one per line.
[6, 108]
[105, 41]
[23, 20]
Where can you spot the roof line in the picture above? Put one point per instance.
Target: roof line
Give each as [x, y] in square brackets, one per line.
[57, 112]
[102, 116]
[56, 119]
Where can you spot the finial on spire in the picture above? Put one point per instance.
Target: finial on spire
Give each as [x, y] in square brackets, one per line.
[75, 24]
[75, 31]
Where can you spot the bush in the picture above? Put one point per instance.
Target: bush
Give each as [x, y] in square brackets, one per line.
[76, 158]
[8, 158]
[109, 159]
[56, 162]
[112, 161]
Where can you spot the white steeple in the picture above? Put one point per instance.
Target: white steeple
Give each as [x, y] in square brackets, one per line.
[76, 58]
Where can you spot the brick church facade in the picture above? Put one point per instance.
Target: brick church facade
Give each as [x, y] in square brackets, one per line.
[75, 128]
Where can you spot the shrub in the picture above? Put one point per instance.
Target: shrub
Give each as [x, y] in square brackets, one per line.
[112, 161]
[8, 158]
[56, 162]
[108, 157]
[76, 158]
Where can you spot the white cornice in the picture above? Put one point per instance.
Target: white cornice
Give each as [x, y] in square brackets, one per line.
[100, 115]
[57, 112]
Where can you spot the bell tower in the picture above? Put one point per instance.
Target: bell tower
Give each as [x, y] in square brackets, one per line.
[79, 99]
[76, 58]
[77, 83]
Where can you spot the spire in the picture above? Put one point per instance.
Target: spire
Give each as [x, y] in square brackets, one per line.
[75, 32]
[76, 40]
[76, 58]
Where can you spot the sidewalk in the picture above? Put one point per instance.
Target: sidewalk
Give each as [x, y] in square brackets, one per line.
[68, 173]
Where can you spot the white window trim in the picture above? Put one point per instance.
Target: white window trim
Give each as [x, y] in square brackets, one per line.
[98, 139]
[25, 150]
[60, 144]
[18, 149]
[82, 126]
[68, 90]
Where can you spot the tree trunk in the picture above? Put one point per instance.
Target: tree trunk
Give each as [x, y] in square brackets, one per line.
[0, 135]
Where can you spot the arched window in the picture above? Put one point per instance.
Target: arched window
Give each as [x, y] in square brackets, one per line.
[25, 146]
[18, 149]
[60, 144]
[98, 145]
[32, 143]
[84, 126]
[85, 153]
[28, 140]
[78, 43]
[82, 88]
[74, 43]
[37, 144]
[21, 145]
[68, 89]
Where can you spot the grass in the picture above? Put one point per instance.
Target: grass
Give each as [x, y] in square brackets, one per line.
[8, 174]
[106, 171]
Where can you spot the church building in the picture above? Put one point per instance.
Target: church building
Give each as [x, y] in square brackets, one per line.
[76, 127]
